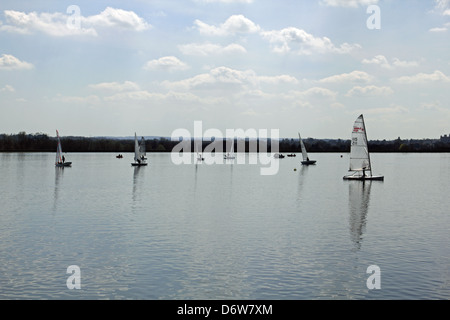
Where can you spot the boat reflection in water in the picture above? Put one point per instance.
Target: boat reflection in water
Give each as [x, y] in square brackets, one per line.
[358, 201]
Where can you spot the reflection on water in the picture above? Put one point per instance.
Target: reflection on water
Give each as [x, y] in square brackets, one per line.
[137, 182]
[195, 176]
[358, 200]
[59, 172]
[145, 233]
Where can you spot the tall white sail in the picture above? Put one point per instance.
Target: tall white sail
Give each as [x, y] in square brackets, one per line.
[58, 150]
[359, 154]
[139, 152]
[137, 155]
[60, 161]
[359, 151]
[302, 145]
[142, 147]
[306, 160]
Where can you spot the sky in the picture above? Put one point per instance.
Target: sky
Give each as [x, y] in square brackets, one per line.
[113, 68]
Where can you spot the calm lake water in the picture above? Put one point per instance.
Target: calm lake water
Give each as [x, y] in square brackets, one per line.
[169, 231]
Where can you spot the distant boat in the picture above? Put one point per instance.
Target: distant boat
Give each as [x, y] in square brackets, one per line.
[119, 156]
[230, 155]
[278, 156]
[60, 159]
[199, 155]
[306, 160]
[292, 155]
[139, 153]
[359, 154]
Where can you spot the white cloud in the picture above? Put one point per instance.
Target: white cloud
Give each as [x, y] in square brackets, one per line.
[404, 64]
[319, 92]
[169, 63]
[59, 24]
[7, 88]
[354, 76]
[348, 3]
[116, 86]
[233, 25]
[379, 60]
[224, 76]
[315, 97]
[306, 43]
[9, 62]
[207, 49]
[171, 96]
[118, 18]
[369, 91]
[54, 24]
[436, 76]
[277, 79]
[437, 29]
[384, 63]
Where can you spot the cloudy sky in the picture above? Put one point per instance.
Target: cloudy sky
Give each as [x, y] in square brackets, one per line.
[95, 68]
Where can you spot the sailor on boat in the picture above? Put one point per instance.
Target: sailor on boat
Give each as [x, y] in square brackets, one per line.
[63, 159]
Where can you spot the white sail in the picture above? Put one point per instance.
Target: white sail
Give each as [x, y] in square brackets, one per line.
[359, 151]
[142, 147]
[139, 152]
[302, 145]
[58, 150]
[230, 154]
[137, 155]
[60, 161]
[359, 154]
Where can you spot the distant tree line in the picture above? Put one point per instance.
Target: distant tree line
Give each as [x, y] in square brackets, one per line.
[40, 142]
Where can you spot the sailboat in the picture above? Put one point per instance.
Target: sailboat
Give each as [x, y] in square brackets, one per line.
[199, 155]
[230, 155]
[60, 160]
[359, 154]
[306, 160]
[139, 153]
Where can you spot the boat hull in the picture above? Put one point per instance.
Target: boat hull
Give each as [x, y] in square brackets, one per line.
[310, 162]
[65, 164]
[139, 164]
[366, 178]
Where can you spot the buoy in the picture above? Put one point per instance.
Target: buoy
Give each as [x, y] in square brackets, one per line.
[295, 169]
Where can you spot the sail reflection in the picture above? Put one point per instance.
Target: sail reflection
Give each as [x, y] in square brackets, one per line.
[195, 177]
[59, 171]
[359, 196]
[136, 182]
